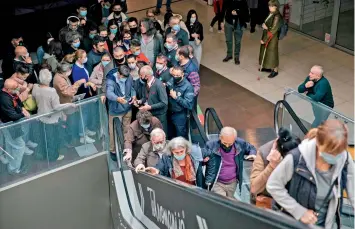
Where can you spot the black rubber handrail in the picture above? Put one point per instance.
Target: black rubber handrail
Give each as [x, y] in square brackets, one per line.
[194, 117]
[211, 111]
[291, 112]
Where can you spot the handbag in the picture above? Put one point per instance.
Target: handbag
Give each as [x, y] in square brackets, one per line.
[30, 104]
[263, 201]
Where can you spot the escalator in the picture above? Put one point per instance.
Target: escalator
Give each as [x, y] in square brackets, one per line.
[146, 201]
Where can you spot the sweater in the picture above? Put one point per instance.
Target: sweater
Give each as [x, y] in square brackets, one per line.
[320, 92]
[79, 72]
[157, 98]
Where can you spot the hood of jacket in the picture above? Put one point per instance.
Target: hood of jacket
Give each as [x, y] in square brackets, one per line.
[308, 149]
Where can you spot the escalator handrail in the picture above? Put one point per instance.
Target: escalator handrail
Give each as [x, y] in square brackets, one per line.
[215, 117]
[291, 112]
[194, 116]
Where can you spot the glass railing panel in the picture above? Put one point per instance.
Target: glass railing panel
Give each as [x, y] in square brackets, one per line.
[196, 131]
[313, 113]
[43, 142]
[212, 123]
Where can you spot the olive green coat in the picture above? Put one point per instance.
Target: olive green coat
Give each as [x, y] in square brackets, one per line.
[271, 59]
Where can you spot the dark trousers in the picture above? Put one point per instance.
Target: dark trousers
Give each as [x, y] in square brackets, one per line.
[254, 18]
[160, 3]
[218, 17]
[178, 125]
[320, 115]
[233, 33]
[164, 121]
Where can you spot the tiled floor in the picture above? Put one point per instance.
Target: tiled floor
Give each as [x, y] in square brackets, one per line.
[297, 55]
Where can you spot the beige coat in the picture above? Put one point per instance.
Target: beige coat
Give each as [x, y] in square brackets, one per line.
[65, 89]
[147, 156]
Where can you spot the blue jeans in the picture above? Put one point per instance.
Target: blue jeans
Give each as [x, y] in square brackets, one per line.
[178, 127]
[237, 32]
[16, 148]
[160, 3]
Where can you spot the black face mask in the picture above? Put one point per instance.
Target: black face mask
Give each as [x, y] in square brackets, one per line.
[104, 38]
[117, 13]
[121, 60]
[225, 148]
[144, 80]
[133, 30]
[177, 79]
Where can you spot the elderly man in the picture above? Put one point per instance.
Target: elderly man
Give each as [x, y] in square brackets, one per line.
[156, 99]
[23, 57]
[317, 87]
[175, 28]
[152, 151]
[225, 168]
[11, 110]
[139, 133]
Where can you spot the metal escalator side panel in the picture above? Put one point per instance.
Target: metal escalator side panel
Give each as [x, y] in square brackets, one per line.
[123, 201]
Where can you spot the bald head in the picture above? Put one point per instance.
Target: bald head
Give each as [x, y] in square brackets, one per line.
[146, 71]
[21, 51]
[10, 85]
[316, 72]
[228, 136]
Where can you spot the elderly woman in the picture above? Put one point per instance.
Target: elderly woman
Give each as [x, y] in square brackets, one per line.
[73, 42]
[309, 182]
[65, 89]
[47, 100]
[182, 162]
[269, 48]
[267, 158]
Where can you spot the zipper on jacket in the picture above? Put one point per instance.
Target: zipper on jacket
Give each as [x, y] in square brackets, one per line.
[219, 170]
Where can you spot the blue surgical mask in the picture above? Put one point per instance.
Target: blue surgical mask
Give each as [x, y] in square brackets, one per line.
[193, 20]
[113, 31]
[168, 46]
[91, 35]
[136, 53]
[177, 58]
[132, 66]
[176, 28]
[145, 126]
[83, 13]
[104, 63]
[180, 157]
[76, 45]
[107, 7]
[331, 159]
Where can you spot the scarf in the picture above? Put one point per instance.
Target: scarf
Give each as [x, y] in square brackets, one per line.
[190, 174]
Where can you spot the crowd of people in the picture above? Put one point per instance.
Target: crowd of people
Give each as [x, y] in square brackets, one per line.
[146, 72]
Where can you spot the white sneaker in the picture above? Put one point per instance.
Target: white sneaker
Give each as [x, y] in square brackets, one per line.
[28, 151]
[31, 144]
[90, 132]
[88, 140]
[211, 29]
[3, 159]
[61, 157]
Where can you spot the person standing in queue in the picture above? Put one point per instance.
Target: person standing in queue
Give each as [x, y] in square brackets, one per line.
[181, 101]
[171, 48]
[236, 15]
[310, 181]
[225, 167]
[196, 34]
[119, 59]
[156, 99]
[269, 48]
[162, 73]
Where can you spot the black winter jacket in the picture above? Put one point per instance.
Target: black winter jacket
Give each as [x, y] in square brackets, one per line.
[241, 7]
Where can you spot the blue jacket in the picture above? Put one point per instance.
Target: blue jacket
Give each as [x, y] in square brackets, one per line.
[189, 67]
[79, 73]
[214, 164]
[113, 91]
[185, 96]
[165, 165]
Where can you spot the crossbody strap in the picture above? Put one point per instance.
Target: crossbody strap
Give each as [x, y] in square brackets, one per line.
[327, 196]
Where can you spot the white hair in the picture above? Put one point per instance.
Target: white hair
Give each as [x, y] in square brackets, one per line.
[179, 142]
[146, 71]
[45, 77]
[228, 131]
[157, 132]
[319, 69]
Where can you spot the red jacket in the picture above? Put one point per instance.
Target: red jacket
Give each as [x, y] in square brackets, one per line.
[215, 2]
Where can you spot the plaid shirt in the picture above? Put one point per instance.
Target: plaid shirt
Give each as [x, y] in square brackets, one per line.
[194, 79]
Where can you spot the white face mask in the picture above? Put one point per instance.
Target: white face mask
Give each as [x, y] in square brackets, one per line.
[159, 66]
[132, 66]
[158, 147]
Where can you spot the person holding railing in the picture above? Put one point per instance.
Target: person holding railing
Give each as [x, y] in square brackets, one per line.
[318, 88]
[267, 158]
[309, 182]
[224, 169]
[11, 110]
[138, 133]
[182, 161]
[152, 151]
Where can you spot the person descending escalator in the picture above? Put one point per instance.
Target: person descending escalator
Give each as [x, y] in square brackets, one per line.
[267, 158]
[309, 182]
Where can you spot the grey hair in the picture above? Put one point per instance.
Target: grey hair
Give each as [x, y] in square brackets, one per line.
[228, 131]
[157, 132]
[146, 71]
[171, 35]
[72, 36]
[45, 77]
[64, 67]
[179, 142]
[319, 68]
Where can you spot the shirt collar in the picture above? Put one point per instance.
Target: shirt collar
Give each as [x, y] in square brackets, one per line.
[151, 82]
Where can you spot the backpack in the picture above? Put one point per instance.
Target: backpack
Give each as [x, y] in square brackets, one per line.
[283, 30]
